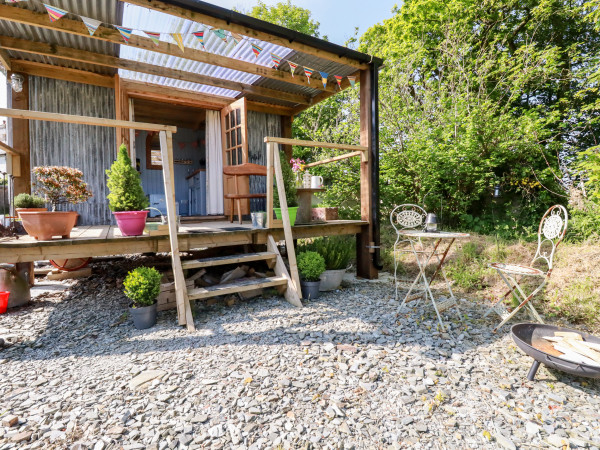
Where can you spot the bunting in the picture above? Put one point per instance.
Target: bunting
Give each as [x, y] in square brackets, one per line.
[154, 36]
[55, 13]
[308, 72]
[324, 76]
[91, 24]
[125, 32]
[352, 80]
[339, 80]
[237, 37]
[276, 60]
[256, 49]
[200, 36]
[220, 34]
[293, 67]
[178, 38]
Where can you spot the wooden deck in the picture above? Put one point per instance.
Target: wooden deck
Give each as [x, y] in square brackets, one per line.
[106, 240]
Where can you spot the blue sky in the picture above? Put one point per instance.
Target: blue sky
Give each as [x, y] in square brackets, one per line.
[337, 18]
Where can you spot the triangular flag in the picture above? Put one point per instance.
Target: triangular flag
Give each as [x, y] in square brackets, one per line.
[154, 36]
[125, 32]
[293, 67]
[220, 33]
[237, 37]
[55, 13]
[256, 49]
[276, 60]
[339, 79]
[324, 76]
[352, 80]
[91, 24]
[178, 38]
[200, 36]
[308, 71]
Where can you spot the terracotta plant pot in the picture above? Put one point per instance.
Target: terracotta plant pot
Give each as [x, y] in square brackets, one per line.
[18, 210]
[131, 223]
[43, 225]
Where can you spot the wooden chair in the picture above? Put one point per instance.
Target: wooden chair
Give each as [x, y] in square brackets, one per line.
[242, 170]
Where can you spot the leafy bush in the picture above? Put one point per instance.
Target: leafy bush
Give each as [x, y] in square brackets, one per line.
[29, 201]
[584, 222]
[60, 184]
[142, 286]
[337, 251]
[125, 185]
[289, 184]
[310, 265]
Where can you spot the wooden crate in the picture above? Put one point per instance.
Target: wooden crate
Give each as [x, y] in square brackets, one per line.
[166, 298]
[324, 214]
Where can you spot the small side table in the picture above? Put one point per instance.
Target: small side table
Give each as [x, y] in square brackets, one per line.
[305, 203]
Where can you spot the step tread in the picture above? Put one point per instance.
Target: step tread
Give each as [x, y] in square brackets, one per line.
[238, 286]
[230, 259]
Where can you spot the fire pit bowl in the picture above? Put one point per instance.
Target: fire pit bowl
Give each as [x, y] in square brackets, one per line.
[529, 338]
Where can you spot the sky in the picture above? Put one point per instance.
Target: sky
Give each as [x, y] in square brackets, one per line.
[337, 18]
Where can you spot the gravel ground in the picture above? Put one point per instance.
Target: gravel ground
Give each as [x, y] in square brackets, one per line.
[344, 372]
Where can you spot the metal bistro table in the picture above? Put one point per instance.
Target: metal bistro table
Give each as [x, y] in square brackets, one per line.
[423, 255]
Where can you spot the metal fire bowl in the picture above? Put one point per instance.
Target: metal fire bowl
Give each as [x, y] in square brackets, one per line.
[528, 337]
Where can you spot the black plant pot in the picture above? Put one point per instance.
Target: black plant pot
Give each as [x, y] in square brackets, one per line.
[144, 317]
[310, 289]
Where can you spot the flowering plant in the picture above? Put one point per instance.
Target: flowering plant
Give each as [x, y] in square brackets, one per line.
[297, 165]
[61, 185]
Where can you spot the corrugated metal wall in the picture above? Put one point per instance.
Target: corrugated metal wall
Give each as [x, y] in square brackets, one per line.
[88, 148]
[259, 126]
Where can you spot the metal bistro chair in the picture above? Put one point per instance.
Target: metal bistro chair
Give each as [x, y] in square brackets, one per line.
[550, 233]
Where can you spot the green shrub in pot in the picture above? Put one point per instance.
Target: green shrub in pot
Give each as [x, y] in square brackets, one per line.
[29, 201]
[310, 265]
[142, 286]
[337, 251]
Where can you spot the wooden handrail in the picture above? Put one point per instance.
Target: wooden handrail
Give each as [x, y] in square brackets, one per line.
[285, 141]
[335, 158]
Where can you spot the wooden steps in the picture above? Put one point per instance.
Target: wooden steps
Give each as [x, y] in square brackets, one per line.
[269, 257]
[243, 285]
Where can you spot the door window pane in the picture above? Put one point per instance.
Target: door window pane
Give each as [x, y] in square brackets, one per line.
[239, 152]
[239, 135]
[233, 139]
[238, 115]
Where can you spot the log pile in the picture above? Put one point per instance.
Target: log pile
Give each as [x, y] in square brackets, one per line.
[575, 349]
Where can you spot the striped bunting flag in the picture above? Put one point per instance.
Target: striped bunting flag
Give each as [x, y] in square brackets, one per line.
[256, 49]
[54, 12]
[236, 37]
[324, 76]
[91, 24]
[293, 67]
[125, 32]
[154, 36]
[352, 80]
[220, 34]
[276, 60]
[178, 38]
[339, 79]
[308, 72]
[200, 36]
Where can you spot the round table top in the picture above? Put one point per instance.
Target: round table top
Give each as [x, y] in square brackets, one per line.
[434, 234]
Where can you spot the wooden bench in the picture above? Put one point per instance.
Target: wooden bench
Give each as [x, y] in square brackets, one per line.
[242, 170]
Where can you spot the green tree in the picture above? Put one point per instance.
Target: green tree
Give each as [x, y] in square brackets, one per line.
[287, 15]
[125, 185]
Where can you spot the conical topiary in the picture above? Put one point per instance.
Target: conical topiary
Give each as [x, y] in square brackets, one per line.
[125, 185]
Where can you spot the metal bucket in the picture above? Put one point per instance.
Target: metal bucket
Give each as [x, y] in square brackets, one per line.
[258, 219]
[17, 283]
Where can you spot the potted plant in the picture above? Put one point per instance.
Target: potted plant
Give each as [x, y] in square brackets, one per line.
[337, 251]
[58, 185]
[289, 184]
[27, 202]
[126, 198]
[310, 265]
[142, 286]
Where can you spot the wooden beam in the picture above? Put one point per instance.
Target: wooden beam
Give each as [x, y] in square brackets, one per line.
[71, 54]
[335, 158]
[325, 95]
[83, 120]
[151, 91]
[13, 160]
[75, 27]
[269, 109]
[8, 149]
[5, 59]
[290, 294]
[20, 140]
[278, 140]
[286, 132]
[62, 73]
[245, 31]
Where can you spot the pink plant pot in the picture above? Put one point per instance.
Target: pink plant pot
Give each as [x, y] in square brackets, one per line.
[131, 223]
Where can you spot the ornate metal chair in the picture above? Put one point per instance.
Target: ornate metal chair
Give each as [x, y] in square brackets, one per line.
[551, 232]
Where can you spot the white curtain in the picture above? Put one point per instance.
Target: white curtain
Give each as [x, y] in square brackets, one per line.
[214, 164]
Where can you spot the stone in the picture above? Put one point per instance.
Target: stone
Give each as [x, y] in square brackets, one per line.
[22, 436]
[10, 420]
[505, 442]
[145, 377]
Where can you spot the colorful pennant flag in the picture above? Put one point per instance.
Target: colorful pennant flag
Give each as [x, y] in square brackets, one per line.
[256, 49]
[276, 60]
[339, 79]
[237, 37]
[308, 72]
[178, 38]
[154, 36]
[125, 32]
[352, 80]
[220, 33]
[55, 13]
[91, 24]
[200, 36]
[324, 76]
[293, 67]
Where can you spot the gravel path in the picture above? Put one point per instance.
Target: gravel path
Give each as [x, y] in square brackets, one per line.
[344, 372]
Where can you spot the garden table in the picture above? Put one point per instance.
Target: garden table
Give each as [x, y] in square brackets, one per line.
[424, 254]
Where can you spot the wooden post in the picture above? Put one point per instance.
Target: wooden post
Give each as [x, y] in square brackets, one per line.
[286, 132]
[132, 149]
[20, 141]
[184, 312]
[365, 266]
[270, 152]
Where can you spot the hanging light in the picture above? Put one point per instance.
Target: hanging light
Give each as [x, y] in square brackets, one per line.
[431, 223]
[497, 191]
[16, 82]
